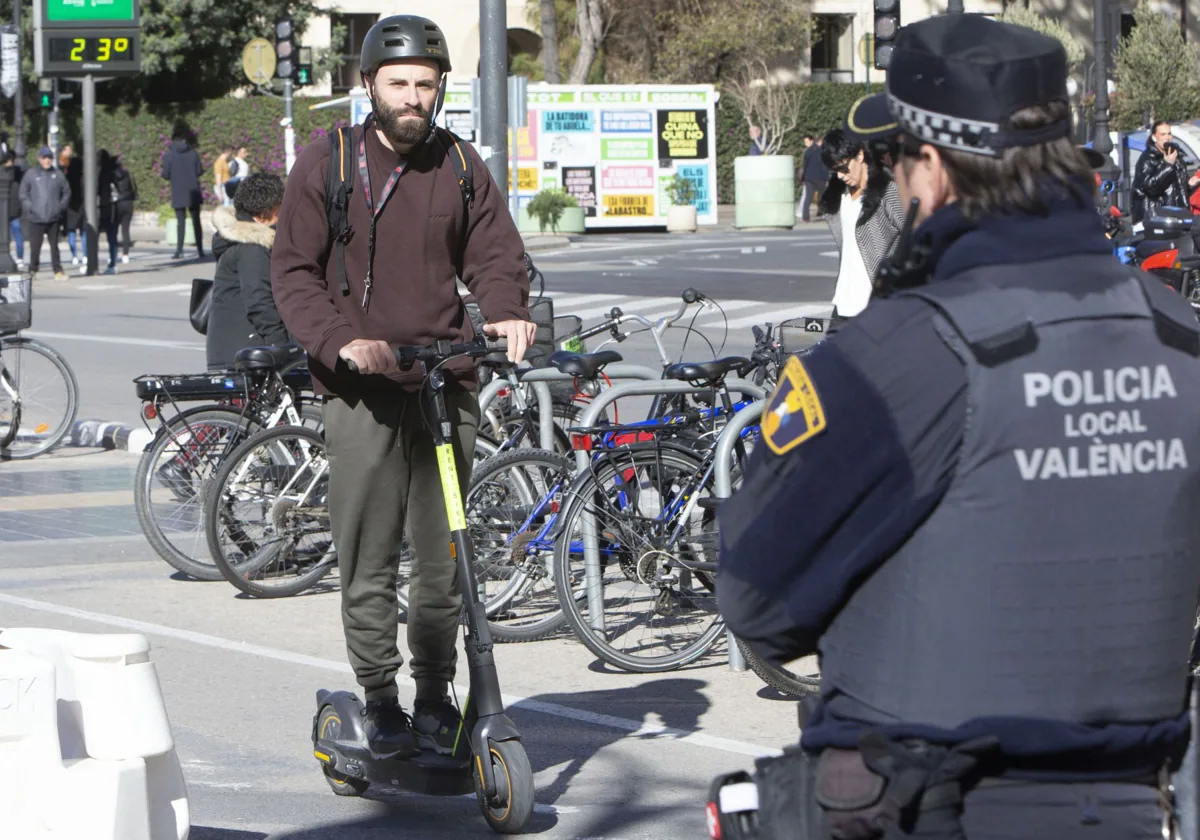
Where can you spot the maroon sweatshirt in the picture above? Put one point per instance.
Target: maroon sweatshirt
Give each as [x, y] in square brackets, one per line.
[414, 298]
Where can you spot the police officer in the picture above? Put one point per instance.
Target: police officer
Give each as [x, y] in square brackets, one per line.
[977, 501]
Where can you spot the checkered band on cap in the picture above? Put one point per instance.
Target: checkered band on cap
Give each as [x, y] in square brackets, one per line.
[941, 130]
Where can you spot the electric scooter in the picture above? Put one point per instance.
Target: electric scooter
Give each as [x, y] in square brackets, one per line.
[487, 755]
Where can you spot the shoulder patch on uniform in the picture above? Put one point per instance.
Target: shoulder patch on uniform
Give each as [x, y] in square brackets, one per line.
[794, 413]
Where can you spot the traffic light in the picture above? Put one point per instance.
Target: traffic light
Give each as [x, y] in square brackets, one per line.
[887, 21]
[46, 93]
[285, 49]
[304, 65]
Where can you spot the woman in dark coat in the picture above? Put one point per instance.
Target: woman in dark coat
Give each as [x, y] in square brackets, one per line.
[181, 166]
[243, 312]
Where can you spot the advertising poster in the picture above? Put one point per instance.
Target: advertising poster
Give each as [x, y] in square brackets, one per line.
[461, 123]
[611, 147]
[682, 134]
[580, 182]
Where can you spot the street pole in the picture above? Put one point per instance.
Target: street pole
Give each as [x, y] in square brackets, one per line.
[1101, 141]
[89, 172]
[493, 90]
[52, 120]
[289, 133]
[19, 96]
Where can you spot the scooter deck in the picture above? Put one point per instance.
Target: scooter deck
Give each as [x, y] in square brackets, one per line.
[427, 773]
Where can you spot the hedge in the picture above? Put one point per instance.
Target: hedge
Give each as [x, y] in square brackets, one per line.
[823, 106]
[143, 134]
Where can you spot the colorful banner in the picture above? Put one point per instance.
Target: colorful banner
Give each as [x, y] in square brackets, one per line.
[641, 148]
[626, 122]
[461, 123]
[560, 122]
[629, 206]
[527, 179]
[699, 176]
[628, 178]
[682, 134]
[580, 181]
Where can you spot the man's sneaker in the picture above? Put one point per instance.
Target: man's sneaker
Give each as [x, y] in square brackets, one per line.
[124, 259]
[436, 723]
[389, 729]
[74, 260]
[60, 276]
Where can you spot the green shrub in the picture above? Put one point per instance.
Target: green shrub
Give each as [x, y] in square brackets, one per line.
[547, 207]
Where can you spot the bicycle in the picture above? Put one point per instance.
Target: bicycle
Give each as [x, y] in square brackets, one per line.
[31, 423]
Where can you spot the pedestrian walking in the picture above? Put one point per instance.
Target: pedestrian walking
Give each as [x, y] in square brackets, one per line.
[127, 195]
[813, 177]
[45, 197]
[181, 166]
[75, 220]
[15, 222]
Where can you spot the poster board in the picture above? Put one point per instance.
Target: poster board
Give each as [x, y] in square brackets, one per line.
[613, 147]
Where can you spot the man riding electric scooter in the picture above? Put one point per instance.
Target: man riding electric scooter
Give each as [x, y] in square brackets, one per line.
[374, 229]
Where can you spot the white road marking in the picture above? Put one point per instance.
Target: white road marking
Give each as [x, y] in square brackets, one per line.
[628, 725]
[114, 339]
[777, 316]
[170, 287]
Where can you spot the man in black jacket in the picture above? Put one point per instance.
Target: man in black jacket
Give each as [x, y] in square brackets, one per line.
[181, 166]
[1002, 586]
[1161, 178]
[813, 175]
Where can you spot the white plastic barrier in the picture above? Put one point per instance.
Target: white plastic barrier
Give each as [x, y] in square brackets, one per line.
[86, 751]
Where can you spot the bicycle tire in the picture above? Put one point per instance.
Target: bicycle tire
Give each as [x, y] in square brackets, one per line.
[581, 496]
[9, 433]
[552, 623]
[72, 386]
[212, 518]
[780, 679]
[194, 560]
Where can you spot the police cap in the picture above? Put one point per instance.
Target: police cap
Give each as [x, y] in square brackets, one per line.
[870, 120]
[955, 80]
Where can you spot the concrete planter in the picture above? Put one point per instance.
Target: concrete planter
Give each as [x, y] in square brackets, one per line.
[572, 221]
[764, 191]
[681, 219]
[172, 232]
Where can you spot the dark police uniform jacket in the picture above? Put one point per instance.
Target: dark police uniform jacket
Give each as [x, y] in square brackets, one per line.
[982, 500]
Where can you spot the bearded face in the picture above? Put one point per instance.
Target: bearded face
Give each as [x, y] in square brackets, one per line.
[402, 125]
[405, 94]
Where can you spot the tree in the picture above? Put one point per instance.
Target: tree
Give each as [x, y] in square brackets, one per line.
[1157, 72]
[549, 25]
[1048, 26]
[774, 108]
[590, 25]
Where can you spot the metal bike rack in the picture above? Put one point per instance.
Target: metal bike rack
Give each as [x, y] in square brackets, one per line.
[723, 489]
[591, 546]
[538, 377]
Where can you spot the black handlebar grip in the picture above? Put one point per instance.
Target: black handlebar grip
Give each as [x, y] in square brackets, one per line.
[691, 295]
[350, 363]
[615, 313]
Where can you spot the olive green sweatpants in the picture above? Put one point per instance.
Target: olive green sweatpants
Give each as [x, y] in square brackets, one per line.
[383, 472]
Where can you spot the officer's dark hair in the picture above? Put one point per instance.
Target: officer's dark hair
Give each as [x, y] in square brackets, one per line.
[1154, 126]
[258, 195]
[1022, 179]
[837, 147]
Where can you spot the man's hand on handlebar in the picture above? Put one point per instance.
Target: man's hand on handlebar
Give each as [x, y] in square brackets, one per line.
[369, 356]
[519, 334]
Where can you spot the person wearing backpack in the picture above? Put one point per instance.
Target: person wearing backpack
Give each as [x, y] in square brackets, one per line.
[356, 274]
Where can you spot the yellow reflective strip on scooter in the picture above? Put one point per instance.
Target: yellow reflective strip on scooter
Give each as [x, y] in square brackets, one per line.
[461, 722]
[449, 472]
[321, 756]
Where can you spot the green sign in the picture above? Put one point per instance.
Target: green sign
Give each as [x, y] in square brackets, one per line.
[612, 97]
[633, 148]
[78, 11]
[674, 97]
[547, 98]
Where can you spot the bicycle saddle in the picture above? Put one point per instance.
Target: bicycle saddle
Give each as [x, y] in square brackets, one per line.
[709, 373]
[281, 358]
[583, 364]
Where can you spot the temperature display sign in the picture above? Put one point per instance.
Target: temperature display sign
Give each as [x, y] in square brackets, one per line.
[108, 53]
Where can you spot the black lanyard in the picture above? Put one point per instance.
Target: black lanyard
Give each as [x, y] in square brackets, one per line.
[374, 212]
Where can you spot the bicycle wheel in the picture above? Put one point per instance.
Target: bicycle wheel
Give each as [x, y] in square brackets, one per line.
[267, 515]
[10, 409]
[782, 680]
[657, 614]
[513, 499]
[49, 397]
[172, 478]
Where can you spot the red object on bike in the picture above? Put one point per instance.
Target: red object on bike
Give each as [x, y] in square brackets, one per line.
[1195, 202]
[1163, 259]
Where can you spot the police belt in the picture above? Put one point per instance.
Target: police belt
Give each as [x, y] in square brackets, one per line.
[880, 790]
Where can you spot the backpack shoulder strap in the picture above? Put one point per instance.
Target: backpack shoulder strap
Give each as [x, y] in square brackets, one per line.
[464, 173]
[339, 185]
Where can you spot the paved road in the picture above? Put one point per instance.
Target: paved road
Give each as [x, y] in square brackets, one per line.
[616, 755]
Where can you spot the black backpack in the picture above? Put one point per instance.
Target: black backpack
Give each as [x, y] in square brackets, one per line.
[339, 185]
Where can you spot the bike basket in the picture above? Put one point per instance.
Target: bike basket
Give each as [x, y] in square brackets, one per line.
[802, 333]
[191, 387]
[16, 303]
[566, 334]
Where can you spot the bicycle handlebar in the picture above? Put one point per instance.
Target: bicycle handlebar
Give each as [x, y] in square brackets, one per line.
[441, 351]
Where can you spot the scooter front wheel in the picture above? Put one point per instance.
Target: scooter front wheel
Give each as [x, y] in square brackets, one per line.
[512, 807]
[329, 726]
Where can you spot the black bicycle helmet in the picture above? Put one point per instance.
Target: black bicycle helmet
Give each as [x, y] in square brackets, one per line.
[403, 36]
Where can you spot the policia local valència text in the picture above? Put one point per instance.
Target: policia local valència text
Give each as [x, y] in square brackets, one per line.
[1094, 456]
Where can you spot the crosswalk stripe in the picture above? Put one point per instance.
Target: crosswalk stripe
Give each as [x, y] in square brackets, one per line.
[775, 315]
[171, 287]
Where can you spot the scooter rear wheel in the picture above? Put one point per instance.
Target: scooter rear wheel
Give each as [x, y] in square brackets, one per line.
[329, 726]
[514, 789]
